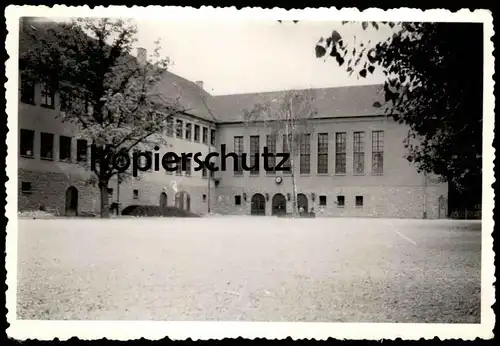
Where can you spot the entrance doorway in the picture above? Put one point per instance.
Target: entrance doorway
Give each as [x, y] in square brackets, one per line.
[258, 205]
[302, 202]
[71, 208]
[188, 201]
[183, 200]
[179, 200]
[279, 204]
[163, 200]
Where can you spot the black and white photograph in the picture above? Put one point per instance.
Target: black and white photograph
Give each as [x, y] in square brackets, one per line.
[304, 169]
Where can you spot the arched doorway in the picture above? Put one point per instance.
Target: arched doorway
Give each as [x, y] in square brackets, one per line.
[179, 200]
[258, 205]
[188, 201]
[302, 202]
[279, 204]
[163, 200]
[183, 200]
[71, 208]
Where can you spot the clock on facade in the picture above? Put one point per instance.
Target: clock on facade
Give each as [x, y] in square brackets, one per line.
[278, 180]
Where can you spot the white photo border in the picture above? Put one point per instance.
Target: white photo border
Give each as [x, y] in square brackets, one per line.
[127, 330]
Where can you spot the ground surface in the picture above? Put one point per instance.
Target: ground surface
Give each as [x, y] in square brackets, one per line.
[251, 269]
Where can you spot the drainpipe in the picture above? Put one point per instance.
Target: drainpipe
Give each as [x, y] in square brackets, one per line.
[209, 176]
[209, 173]
[118, 194]
[425, 195]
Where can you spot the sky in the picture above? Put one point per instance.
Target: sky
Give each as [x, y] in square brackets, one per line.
[245, 56]
[234, 57]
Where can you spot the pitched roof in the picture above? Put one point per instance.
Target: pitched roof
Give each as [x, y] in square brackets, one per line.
[193, 98]
[329, 102]
[349, 101]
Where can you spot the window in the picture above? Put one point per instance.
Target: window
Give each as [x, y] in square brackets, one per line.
[212, 174]
[322, 153]
[110, 192]
[340, 201]
[340, 153]
[205, 135]
[271, 146]
[46, 146]
[136, 194]
[65, 148]
[170, 126]
[322, 200]
[287, 166]
[204, 197]
[65, 100]
[305, 154]
[238, 149]
[169, 165]
[26, 187]
[212, 137]
[27, 142]
[47, 95]
[359, 153]
[196, 133]
[204, 172]
[188, 167]
[178, 128]
[254, 150]
[81, 150]
[150, 154]
[359, 201]
[378, 152]
[188, 131]
[237, 200]
[27, 91]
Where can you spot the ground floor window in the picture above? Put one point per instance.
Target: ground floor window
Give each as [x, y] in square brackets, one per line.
[359, 201]
[26, 187]
[237, 200]
[340, 201]
[322, 200]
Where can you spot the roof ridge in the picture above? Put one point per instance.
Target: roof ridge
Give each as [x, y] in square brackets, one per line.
[302, 89]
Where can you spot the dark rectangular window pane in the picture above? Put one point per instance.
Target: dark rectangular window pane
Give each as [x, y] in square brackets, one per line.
[271, 148]
[322, 153]
[27, 142]
[254, 149]
[64, 148]
[47, 145]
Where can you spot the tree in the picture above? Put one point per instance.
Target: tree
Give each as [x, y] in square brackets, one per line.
[106, 92]
[287, 115]
[434, 74]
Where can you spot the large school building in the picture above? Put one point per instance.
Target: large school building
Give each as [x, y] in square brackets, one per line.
[350, 164]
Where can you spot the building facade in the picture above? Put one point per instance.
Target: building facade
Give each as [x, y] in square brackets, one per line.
[351, 162]
[350, 166]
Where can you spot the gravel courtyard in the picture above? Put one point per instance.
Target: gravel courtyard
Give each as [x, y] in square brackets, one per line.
[250, 269]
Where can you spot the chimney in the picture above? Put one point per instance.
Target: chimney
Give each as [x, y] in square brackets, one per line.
[199, 83]
[142, 56]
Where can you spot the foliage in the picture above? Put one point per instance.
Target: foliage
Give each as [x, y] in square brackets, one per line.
[433, 84]
[108, 93]
[155, 211]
